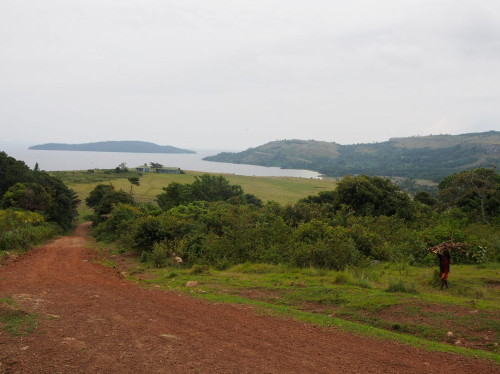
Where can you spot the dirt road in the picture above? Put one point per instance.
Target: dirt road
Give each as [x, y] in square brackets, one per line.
[93, 321]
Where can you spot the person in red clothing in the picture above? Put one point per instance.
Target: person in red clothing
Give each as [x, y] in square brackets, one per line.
[444, 267]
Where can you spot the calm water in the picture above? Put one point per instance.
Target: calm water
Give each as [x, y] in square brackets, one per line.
[70, 160]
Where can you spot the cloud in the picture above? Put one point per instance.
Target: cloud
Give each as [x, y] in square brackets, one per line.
[195, 72]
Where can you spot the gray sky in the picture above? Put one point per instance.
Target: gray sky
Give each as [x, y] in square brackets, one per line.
[232, 74]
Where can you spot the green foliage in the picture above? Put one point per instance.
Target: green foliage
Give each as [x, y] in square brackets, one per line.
[28, 196]
[161, 254]
[374, 196]
[103, 198]
[366, 219]
[426, 198]
[24, 192]
[97, 194]
[476, 192]
[213, 188]
[37, 191]
[22, 229]
[122, 168]
[146, 232]
[204, 188]
[12, 172]
[323, 246]
[174, 194]
[118, 223]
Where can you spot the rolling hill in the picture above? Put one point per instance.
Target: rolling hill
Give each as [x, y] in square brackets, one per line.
[428, 157]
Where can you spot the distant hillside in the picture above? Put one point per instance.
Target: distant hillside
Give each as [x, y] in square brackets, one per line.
[428, 157]
[112, 146]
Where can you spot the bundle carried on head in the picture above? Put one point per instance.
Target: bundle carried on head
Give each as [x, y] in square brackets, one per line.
[447, 246]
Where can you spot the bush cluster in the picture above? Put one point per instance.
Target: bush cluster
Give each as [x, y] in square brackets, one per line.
[365, 219]
[35, 205]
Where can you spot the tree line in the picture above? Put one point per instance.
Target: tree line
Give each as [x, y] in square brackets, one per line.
[366, 218]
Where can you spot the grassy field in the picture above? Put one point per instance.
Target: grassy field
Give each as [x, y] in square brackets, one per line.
[281, 189]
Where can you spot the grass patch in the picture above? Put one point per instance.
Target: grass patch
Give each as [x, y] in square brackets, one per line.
[400, 285]
[14, 320]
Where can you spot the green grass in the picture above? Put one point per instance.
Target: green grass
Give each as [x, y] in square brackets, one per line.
[14, 320]
[281, 189]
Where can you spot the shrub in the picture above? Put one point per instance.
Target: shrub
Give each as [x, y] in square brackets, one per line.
[21, 229]
[320, 245]
[146, 232]
[159, 256]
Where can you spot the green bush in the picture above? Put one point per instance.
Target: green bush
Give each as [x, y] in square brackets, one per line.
[161, 255]
[323, 246]
[20, 229]
[146, 232]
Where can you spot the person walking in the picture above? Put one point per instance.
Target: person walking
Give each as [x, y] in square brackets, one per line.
[444, 267]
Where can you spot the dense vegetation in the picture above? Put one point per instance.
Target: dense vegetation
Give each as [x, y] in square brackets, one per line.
[113, 146]
[211, 222]
[431, 157]
[34, 205]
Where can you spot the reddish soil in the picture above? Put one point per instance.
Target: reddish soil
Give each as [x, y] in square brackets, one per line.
[93, 321]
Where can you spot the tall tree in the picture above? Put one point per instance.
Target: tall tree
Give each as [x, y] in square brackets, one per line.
[476, 192]
[374, 196]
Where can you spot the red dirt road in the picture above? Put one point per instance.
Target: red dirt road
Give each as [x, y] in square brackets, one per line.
[93, 321]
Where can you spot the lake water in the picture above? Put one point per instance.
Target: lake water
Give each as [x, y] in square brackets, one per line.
[71, 160]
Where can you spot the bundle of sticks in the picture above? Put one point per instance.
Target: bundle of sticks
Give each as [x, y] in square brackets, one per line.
[447, 246]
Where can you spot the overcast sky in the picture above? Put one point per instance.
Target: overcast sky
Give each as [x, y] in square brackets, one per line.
[232, 74]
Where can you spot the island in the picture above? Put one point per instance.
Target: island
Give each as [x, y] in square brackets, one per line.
[127, 146]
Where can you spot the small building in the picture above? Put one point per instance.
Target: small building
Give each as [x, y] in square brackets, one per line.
[164, 170]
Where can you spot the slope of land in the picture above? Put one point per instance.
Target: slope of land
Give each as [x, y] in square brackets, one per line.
[284, 190]
[428, 157]
[112, 146]
[90, 320]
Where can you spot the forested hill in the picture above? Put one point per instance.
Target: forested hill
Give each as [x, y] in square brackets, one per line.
[428, 157]
[113, 146]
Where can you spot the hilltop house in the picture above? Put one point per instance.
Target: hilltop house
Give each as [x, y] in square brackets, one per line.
[147, 169]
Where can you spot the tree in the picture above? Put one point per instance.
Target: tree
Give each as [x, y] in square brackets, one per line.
[214, 188]
[97, 194]
[476, 192]
[122, 168]
[155, 165]
[204, 188]
[27, 196]
[12, 171]
[134, 181]
[374, 196]
[174, 194]
[64, 201]
[425, 197]
[103, 198]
